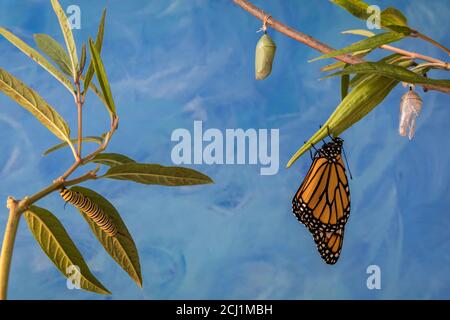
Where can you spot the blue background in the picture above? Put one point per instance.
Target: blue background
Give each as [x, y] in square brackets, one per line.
[172, 62]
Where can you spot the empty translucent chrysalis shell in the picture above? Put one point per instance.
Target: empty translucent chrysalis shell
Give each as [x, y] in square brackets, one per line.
[265, 52]
[410, 107]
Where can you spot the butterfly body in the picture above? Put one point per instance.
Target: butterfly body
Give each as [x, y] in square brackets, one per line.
[322, 203]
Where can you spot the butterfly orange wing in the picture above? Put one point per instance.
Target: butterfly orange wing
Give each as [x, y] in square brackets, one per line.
[323, 200]
[329, 244]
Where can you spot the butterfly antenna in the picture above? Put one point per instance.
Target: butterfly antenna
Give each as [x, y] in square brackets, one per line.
[346, 161]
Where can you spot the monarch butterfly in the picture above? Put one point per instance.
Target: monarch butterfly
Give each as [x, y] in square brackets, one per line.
[322, 202]
[91, 209]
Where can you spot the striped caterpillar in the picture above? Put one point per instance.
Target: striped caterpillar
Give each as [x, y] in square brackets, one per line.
[91, 209]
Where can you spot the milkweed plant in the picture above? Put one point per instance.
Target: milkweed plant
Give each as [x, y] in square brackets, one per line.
[364, 84]
[77, 74]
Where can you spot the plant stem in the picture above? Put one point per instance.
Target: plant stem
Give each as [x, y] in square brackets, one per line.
[104, 145]
[16, 208]
[86, 159]
[414, 55]
[80, 128]
[79, 103]
[57, 185]
[69, 171]
[8, 246]
[432, 41]
[294, 34]
[315, 44]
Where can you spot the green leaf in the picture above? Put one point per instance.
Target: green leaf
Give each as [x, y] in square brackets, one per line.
[157, 174]
[333, 66]
[356, 7]
[31, 101]
[391, 18]
[121, 247]
[340, 64]
[111, 159]
[54, 51]
[361, 100]
[102, 78]
[401, 29]
[99, 45]
[369, 43]
[359, 54]
[57, 245]
[368, 94]
[392, 58]
[390, 71]
[359, 32]
[422, 68]
[345, 81]
[37, 57]
[98, 140]
[68, 37]
[87, 80]
[83, 58]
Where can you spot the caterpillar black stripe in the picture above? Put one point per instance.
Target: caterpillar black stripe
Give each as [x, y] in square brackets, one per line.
[91, 209]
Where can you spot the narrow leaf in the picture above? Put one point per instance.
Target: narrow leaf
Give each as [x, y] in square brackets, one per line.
[98, 140]
[59, 247]
[157, 174]
[68, 37]
[102, 78]
[368, 94]
[401, 29]
[37, 57]
[359, 32]
[31, 101]
[364, 97]
[359, 54]
[390, 17]
[421, 68]
[83, 58]
[54, 51]
[99, 45]
[392, 58]
[369, 43]
[345, 81]
[112, 159]
[391, 71]
[340, 64]
[355, 7]
[121, 247]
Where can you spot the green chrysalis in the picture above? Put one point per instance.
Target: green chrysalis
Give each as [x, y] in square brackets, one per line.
[265, 52]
